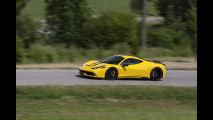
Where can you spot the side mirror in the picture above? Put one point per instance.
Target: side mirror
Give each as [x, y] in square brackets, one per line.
[124, 65]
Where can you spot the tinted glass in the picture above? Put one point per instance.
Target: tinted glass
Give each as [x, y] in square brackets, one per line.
[131, 61]
[113, 60]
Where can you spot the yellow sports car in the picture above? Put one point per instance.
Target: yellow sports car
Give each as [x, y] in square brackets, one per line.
[122, 66]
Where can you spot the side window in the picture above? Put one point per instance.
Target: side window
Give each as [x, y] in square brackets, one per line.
[131, 61]
[135, 61]
[138, 61]
[127, 61]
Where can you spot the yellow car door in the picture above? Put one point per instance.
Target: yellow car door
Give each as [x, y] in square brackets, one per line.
[130, 68]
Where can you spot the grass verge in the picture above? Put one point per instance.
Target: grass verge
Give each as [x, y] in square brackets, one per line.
[105, 103]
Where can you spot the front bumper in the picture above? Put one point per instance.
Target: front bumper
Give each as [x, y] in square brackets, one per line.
[90, 73]
[83, 72]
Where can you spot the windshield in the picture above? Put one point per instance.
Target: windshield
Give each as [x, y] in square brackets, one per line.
[113, 60]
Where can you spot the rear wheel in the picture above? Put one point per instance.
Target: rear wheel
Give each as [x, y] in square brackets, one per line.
[111, 74]
[156, 74]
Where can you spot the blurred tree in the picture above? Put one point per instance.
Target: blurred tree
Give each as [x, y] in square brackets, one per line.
[114, 28]
[180, 7]
[171, 34]
[66, 20]
[191, 15]
[160, 37]
[20, 4]
[170, 17]
[26, 29]
[137, 5]
[19, 49]
[178, 28]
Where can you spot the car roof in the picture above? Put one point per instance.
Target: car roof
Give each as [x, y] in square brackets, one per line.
[127, 56]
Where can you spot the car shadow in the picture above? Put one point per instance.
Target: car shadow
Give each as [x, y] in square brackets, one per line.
[135, 79]
[87, 77]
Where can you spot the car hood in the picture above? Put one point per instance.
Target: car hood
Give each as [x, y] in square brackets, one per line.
[93, 63]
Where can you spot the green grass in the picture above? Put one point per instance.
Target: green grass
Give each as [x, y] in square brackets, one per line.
[36, 8]
[105, 103]
[70, 109]
[103, 92]
[55, 54]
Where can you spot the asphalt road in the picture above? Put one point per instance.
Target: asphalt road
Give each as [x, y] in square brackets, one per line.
[71, 77]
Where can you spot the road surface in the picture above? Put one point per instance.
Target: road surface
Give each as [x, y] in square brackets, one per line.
[72, 77]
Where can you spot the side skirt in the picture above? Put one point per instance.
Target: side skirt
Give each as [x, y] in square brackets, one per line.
[145, 78]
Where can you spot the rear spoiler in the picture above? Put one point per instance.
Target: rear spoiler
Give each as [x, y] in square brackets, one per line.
[157, 61]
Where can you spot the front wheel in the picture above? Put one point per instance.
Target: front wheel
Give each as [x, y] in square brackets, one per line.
[111, 74]
[156, 74]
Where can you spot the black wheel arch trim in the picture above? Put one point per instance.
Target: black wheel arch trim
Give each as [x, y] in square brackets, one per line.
[116, 70]
[156, 68]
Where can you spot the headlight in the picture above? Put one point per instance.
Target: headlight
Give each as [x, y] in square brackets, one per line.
[103, 66]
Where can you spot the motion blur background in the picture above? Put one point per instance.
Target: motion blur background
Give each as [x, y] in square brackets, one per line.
[74, 31]
[59, 31]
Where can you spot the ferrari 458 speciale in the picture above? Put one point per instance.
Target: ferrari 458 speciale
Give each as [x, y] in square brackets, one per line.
[122, 66]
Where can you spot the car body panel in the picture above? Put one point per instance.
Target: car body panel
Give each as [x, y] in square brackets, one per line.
[140, 70]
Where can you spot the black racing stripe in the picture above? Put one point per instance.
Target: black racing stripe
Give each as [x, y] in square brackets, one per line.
[93, 64]
[96, 63]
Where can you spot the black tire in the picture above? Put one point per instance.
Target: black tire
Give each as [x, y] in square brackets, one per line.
[156, 74]
[111, 74]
